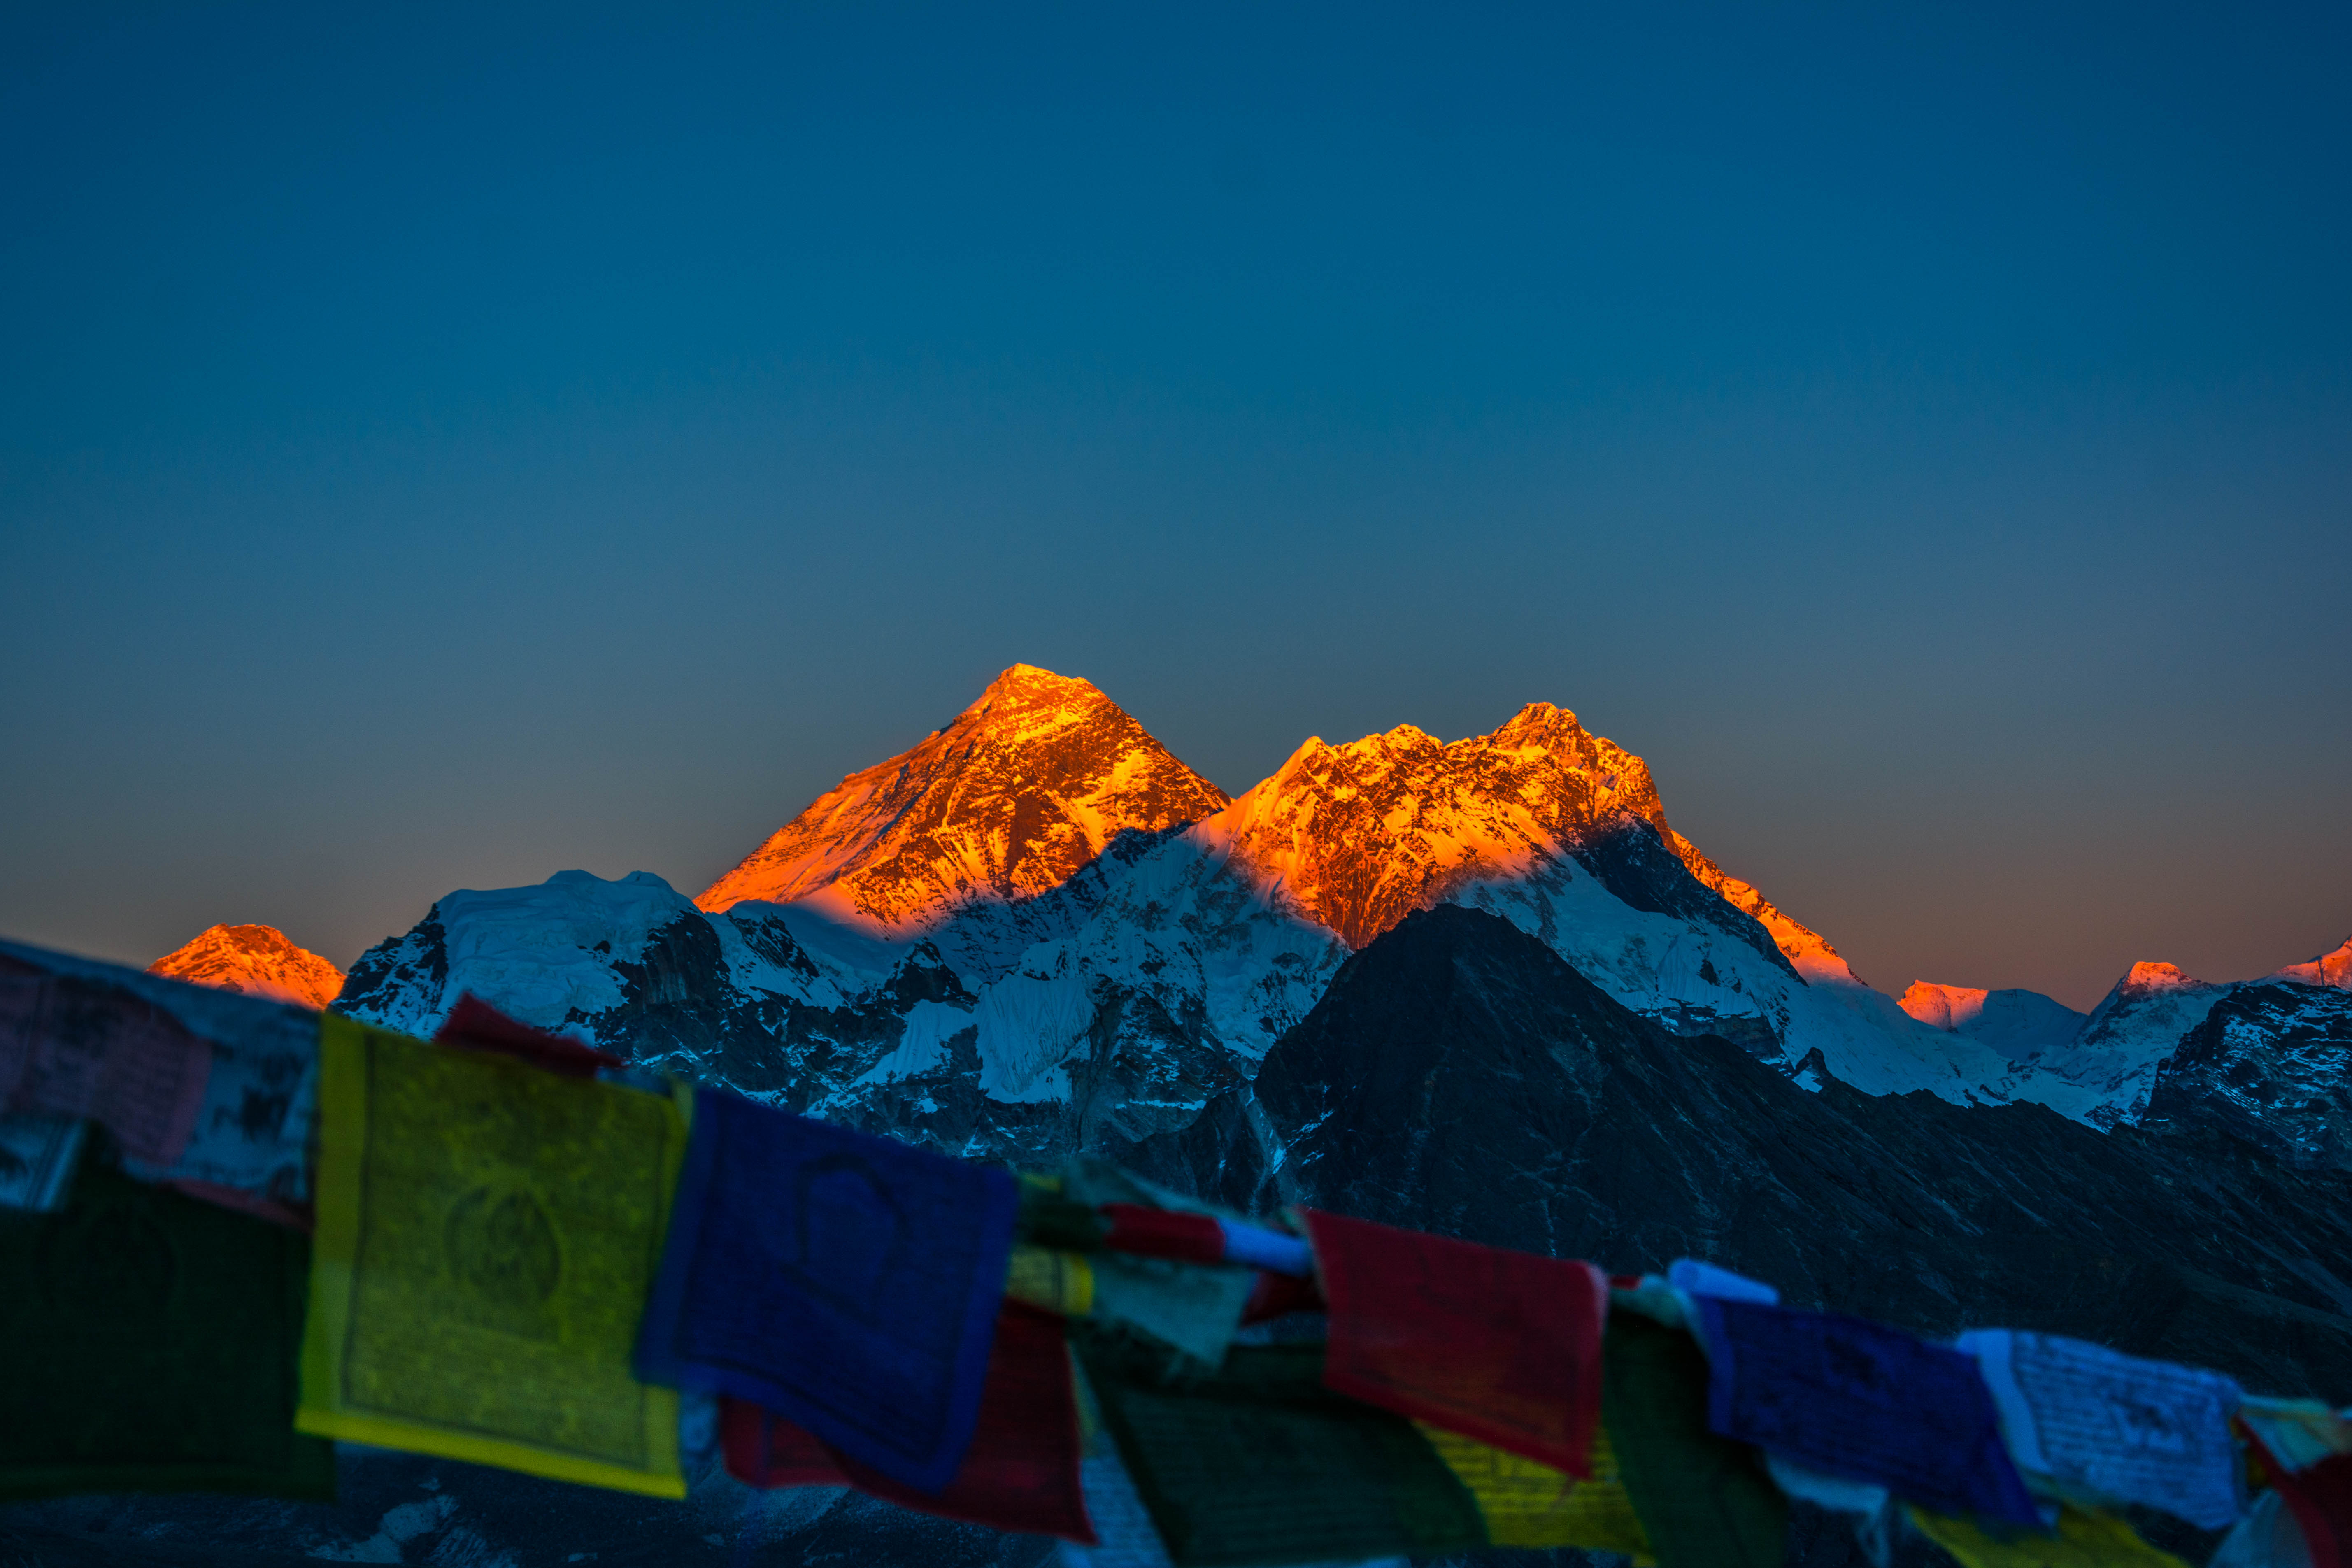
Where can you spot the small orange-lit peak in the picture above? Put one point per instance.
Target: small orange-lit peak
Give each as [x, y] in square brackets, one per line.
[2147, 979]
[1943, 1007]
[253, 958]
[1027, 784]
[2334, 968]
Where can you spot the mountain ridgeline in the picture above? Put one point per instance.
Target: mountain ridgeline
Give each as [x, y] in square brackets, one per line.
[1038, 930]
[1481, 987]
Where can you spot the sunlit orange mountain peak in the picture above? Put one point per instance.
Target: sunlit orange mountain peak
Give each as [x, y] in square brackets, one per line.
[1027, 786]
[257, 960]
[1943, 1007]
[2329, 969]
[2150, 979]
[1361, 834]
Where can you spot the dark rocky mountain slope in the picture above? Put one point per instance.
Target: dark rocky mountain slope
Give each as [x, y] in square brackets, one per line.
[1458, 1077]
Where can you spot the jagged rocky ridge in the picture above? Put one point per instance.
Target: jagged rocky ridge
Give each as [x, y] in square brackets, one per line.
[1458, 1075]
[1038, 930]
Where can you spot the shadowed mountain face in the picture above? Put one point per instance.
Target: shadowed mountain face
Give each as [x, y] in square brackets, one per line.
[1458, 1077]
[2270, 1066]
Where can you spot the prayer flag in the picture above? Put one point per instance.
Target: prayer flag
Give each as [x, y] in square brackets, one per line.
[1260, 1464]
[71, 1047]
[1021, 1473]
[148, 1342]
[1504, 1347]
[37, 1151]
[1693, 1276]
[2268, 1537]
[1163, 1233]
[845, 1282]
[1703, 1500]
[1528, 1504]
[251, 1072]
[2083, 1539]
[472, 1025]
[2320, 1494]
[1276, 1252]
[1062, 1283]
[2296, 1433]
[2125, 1429]
[488, 1233]
[1854, 1398]
[1192, 1307]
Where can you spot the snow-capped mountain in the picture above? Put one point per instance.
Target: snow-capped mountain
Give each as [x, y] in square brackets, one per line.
[2016, 1022]
[1039, 928]
[2270, 1064]
[257, 960]
[986, 832]
[2332, 968]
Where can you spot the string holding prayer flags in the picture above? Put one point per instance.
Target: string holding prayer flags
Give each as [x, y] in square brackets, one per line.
[846, 1282]
[211, 1090]
[2122, 1428]
[1504, 1347]
[487, 1232]
[1704, 1500]
[148, 1342]
[1021, 1473]
[1854, 1398]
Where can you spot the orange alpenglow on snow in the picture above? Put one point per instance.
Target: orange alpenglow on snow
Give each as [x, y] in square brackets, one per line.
[1363, 834]
[1026, 786]
[1943, 1007]
[2329, 969]
[257, 960]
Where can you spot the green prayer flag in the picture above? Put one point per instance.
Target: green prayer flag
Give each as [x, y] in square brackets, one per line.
[149, 1342]
[1259, 1464]
[1704, 1500]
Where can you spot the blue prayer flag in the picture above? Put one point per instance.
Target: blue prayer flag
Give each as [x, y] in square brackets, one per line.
[846, 1282]
[1857, 1399]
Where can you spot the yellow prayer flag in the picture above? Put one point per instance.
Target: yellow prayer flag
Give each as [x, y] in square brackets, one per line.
[2084, 1539]
[1061, 1282]
[1528, 1504]
[487, 1232]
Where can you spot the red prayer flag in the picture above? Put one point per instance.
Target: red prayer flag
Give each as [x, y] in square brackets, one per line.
[1276, 1294]
[1164, 1233]
[1503, 1347]
[1021, 1473]
[2320, 1498]
[472, 1025]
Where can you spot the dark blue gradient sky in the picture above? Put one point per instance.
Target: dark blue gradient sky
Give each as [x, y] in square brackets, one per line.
[442, 451]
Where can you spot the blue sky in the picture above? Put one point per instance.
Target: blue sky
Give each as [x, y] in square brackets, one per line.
[443, 450]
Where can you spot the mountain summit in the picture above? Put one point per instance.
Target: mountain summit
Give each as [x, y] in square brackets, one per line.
[257, 960]
[2332, 968]
[1026, 787]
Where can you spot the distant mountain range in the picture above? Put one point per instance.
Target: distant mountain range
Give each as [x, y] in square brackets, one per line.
[1038, 929]
[1480, 987]
[1458, 1074]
